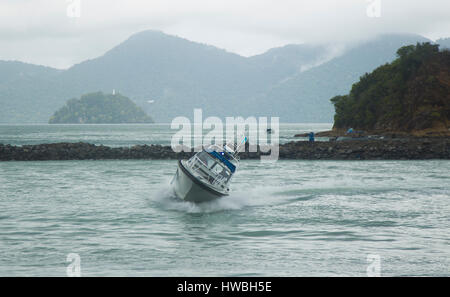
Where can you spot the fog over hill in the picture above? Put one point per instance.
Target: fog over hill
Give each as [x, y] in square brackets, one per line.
[169, 76]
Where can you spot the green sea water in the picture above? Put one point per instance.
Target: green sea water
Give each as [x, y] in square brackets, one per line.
[288, 218]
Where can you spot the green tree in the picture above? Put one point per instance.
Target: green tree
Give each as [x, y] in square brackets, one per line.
[397, 93]
[100, 108]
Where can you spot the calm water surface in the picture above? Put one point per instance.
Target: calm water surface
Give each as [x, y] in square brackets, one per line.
[121, 135]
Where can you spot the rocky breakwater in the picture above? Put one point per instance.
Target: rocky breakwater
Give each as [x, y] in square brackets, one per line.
[391, 149]
[380, 149]
[85, 151]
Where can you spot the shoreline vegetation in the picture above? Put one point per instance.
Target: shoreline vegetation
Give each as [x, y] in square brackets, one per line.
[417, 148]
[407, 98]
[410, 96]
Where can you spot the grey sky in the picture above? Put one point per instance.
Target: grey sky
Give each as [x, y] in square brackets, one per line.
[40, 31]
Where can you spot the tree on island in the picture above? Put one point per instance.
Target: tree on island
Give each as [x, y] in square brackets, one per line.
[99, 108]
[412, 93]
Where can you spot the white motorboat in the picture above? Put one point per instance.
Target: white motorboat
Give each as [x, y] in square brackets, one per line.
[207, 175]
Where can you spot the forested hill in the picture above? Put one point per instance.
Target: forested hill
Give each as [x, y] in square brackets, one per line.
[99, 108]
[410, 94]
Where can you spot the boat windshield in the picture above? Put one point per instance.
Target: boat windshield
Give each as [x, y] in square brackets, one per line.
[206, 159]
[214, 166]
[218, 169]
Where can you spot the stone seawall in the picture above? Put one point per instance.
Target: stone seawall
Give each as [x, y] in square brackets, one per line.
[393, 149]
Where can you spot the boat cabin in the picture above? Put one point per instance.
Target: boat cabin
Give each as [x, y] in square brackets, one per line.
[214, 164]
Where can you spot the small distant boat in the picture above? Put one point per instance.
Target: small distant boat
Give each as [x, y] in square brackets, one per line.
[206, 176]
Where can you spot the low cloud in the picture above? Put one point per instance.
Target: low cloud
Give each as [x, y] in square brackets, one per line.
[40, 31]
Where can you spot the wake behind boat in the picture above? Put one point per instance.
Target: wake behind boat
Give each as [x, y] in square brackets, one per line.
[206, 176]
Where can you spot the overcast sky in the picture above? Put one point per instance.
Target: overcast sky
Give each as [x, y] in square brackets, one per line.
[48, 32]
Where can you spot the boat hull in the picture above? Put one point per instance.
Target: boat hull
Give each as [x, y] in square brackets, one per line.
[188, 188]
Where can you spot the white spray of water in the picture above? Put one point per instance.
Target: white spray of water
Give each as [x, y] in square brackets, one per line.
[237, 200]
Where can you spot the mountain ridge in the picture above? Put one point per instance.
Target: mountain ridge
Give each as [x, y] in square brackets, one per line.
[178, 75]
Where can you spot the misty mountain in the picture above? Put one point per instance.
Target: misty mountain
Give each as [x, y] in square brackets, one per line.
[305, 97]
[14, 70]
[178, 75]
[26, 92]
[173, 72]
[168, 76]
[282, 62]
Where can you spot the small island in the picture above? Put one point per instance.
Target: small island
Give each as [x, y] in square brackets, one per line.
[99, 108]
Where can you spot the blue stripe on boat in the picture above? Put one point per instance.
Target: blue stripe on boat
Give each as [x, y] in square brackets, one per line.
[223, 160]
